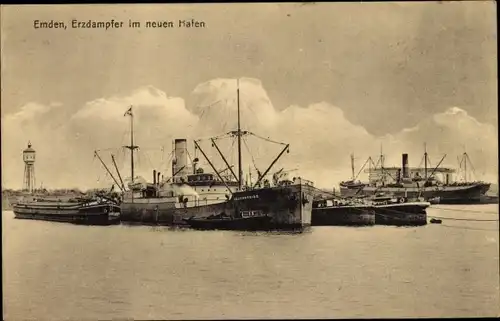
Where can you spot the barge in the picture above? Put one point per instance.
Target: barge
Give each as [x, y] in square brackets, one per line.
[341, 213]
[85, 212]
[399, 211]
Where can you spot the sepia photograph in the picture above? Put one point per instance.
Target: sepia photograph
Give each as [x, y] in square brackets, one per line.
[250, 161]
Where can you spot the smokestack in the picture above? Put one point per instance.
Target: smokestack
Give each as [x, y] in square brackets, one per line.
[181, 159]
[154, 176]
[405, 166]
[158, 178]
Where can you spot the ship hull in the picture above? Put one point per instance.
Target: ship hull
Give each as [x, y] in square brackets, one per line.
[404, 214]
[287, 207]
[467, 194]
[82, 214]
[343, 216]
[167, 212]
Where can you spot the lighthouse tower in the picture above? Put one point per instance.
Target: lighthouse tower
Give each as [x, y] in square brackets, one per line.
[29, 168]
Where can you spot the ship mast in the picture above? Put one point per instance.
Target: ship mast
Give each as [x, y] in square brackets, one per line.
[352, 166]
[425, 161]
[132, 147]
[239, 136]
[465, 167]
[382, 163]
[240, 133]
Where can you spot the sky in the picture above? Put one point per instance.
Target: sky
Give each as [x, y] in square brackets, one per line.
[330, 79]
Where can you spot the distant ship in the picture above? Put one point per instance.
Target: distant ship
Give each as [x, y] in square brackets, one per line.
[198, 195]
[415, 182]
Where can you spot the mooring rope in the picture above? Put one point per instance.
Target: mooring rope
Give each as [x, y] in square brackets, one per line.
[468, 228]
[461, 219]
[463, 210]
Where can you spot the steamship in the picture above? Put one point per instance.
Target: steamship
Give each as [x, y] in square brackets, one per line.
[190, 196]
[413, 183]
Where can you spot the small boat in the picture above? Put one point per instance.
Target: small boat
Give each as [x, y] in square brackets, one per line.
[77, 211]
[435, 221]
[225, 222]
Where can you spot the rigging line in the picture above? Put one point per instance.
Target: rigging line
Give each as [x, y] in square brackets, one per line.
[321, 191]
[106, 149]
[232, 149]
[122, 140]
[472, 166]
[170, 156]
[148, 159]
[421, 161]
[202, 114]
[461, 219]
[189, 156]
[249, 107]
[462, 210]
[267, 139]
[205, 108]
[248, 149]
[150, 148]
[225, 135]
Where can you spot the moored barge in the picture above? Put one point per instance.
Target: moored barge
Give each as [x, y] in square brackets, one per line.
[339, 213]
[399, 212]
[85, 212]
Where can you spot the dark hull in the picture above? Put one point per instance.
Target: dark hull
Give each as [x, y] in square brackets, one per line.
[470, 194]
[408, 214]
[262, 223]
[101, 214]
[287, 206]
[166, 214]
[343, 216]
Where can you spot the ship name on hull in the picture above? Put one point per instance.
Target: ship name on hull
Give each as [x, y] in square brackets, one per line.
[246, 197]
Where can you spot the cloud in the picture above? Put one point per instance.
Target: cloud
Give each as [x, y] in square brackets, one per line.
[321, 138]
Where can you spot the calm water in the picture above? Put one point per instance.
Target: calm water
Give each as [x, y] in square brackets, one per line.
[61, 271]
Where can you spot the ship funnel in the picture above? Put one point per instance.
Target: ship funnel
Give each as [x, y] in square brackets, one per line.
[154, 176]
[180, 167]
[406, 170]
[158, 177]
